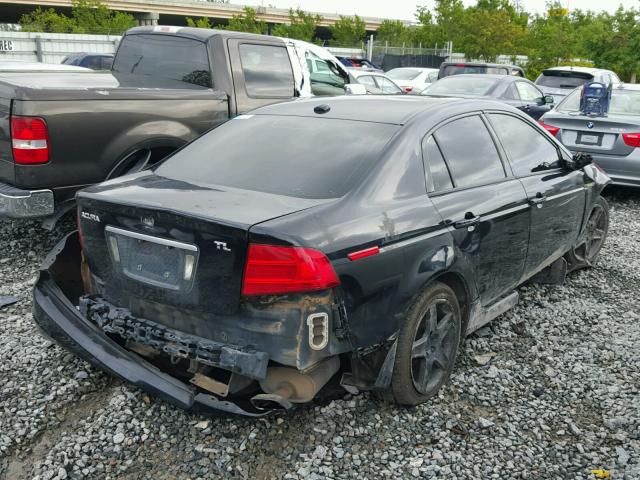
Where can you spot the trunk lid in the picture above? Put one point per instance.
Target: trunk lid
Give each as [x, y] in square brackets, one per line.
[598, 135]
[157, 242]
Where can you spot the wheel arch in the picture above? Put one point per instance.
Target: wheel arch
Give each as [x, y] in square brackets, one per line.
[456, 282]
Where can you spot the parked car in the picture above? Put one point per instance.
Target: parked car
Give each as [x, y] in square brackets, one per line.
[17, 66]
[516, 91]
[264, 260]
[360, 64]
[94, 61]
[413, 80]
[376, 83]
[560, 81]
[613, 140]
[461, 68]
[167, 86]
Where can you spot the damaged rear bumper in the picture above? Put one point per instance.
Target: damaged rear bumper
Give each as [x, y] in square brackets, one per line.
[59, 319]
[18, 203]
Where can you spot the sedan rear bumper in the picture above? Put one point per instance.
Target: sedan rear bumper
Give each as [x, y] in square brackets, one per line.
[58, 318]
[18, 203]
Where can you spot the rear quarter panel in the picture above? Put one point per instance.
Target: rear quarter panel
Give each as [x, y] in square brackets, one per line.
[88, 137]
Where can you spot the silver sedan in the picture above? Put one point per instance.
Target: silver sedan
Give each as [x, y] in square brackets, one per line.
[612, 140]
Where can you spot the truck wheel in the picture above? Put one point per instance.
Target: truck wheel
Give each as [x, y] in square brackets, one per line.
[427, 346]
[585, 252]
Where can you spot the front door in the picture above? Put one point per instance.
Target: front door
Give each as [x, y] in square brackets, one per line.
[556, 195]
[486, 210]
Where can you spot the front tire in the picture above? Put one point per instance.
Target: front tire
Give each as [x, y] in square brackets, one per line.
[427, 346]
[585, 252]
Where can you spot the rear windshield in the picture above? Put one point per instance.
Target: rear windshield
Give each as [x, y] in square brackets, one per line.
[560, 79]
[462, 69]
[403, 73]
[305, 157]
[623, 102]
[164, 56]
[468, 86]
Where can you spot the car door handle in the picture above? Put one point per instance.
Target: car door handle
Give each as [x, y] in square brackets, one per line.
[538, 200]
[472, 221]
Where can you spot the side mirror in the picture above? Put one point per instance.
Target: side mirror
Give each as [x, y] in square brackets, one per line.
[355, 89]
[578, 161]
[548, 99]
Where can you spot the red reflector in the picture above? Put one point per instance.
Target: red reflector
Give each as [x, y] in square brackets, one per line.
[549, 128]
[30, 140]
[632, 139]
[408, 89]
[272, 270]
[367, 252]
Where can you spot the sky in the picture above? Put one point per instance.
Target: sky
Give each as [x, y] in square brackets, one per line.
[405, 9]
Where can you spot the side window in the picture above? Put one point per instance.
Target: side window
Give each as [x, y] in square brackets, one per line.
[470, 152]
[387, 86]
[511, 93]
[526, 147]
[325, 80]
[432, 77]
[368, 81]
[438, 177]
[267, 71]
[528, 93]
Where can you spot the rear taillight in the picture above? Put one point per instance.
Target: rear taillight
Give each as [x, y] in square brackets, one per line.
[553, 130]
[632, 139]
[30, 140]
[272, 270]
[408, 89]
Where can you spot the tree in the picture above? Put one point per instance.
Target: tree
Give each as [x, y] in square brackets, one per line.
[348, 30]
[301, 26]
[202, 22]
[248, 22]
[394, 32]
[87, 16]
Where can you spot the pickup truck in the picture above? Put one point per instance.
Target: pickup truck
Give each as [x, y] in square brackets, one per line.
[64, 131]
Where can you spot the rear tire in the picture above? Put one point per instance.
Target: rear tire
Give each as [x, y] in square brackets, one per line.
[585, 252]
[427, 346]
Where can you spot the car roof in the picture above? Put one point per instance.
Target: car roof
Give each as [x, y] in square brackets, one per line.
[396, 110]
[422, 69]
[480, 64]
[505, 78]
[202, 34]
[570, 68]
[357, 72]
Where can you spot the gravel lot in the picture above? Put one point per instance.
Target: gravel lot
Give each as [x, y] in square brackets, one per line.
[551, 390]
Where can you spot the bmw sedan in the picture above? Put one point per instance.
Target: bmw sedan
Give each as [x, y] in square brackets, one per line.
[612, 140]
[264, 264]
[512, 90]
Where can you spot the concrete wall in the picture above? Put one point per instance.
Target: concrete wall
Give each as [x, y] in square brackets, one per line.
[52, 47]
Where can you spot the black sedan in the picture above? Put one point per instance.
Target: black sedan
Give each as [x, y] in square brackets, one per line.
[265, 262]
[512, 90]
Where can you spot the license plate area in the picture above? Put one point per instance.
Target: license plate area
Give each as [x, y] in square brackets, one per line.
[593, 139]
[155, 261]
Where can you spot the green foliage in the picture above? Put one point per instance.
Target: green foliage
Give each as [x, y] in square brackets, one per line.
[202, 22]
[87, 16]
[348, 30]
[302, 26]
[248, 22]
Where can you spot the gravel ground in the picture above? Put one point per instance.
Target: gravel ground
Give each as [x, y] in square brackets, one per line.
[550, 390]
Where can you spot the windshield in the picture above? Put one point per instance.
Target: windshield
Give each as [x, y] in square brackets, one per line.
[458, 85]
[403, 73]
[164, 56]
[560, 79]
[623, 102]
[305, 157]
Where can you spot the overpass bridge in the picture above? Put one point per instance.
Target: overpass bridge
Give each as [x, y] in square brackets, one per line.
[168, 12]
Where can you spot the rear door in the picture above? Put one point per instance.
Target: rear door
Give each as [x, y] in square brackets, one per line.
[262, 73]
[556, 195]
[484, 206]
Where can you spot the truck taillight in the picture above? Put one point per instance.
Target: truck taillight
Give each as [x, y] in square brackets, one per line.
[553, 130]
[631, 139]
[30, 140]
[272, 270]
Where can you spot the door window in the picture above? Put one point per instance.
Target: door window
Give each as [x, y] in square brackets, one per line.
[438, 177]
[528, 93]
[387, 86]
[267, 71]
[526, 147]
[511, 93]
[469, 151]
[369, 83]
